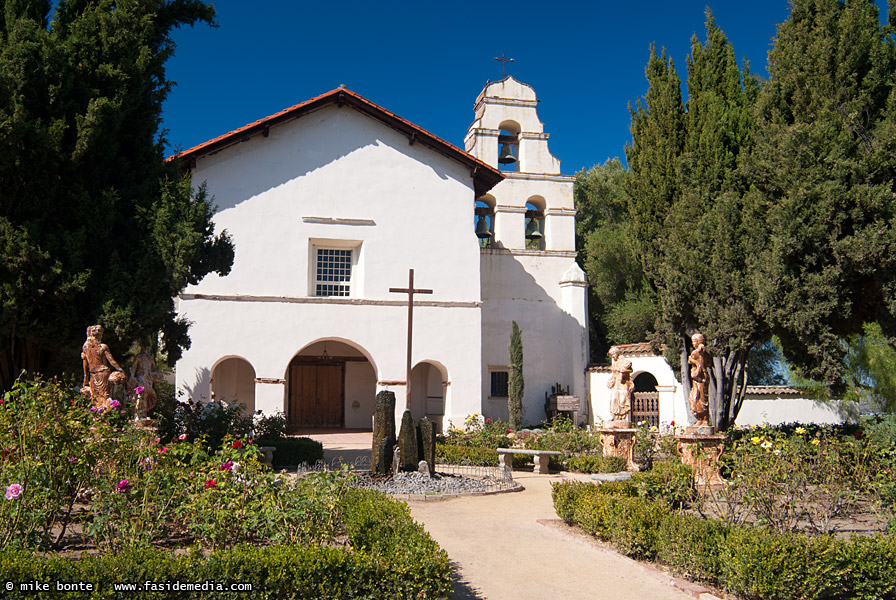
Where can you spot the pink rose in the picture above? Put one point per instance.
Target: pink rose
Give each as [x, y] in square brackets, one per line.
[13, 491]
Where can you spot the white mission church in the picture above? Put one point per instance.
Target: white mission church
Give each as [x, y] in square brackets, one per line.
[330, 203]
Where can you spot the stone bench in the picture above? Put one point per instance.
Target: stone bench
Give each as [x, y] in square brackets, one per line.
[505, 458]
[268, 452]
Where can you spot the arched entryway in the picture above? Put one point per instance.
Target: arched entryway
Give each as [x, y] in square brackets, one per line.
[646, 400]
[233, 382]
[331, 383]
[428, 390]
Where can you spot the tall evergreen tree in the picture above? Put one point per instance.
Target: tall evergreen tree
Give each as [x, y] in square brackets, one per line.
[686, 211]
[823, 174]
[515, 383]
[94, 225]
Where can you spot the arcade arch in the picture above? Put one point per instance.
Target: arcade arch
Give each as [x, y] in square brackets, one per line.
[331, 383]
[233, 382]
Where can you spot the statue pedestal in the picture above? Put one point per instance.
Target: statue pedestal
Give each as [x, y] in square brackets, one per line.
[701, 452]
[149, 425]
[620, 441]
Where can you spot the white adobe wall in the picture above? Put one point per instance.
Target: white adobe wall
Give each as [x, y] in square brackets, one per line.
[338, 164]
[780, 409]
[758, 409]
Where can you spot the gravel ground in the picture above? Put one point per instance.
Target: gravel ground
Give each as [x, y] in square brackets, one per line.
[419, 483]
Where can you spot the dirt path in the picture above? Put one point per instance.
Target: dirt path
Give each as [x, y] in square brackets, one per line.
[501, 551]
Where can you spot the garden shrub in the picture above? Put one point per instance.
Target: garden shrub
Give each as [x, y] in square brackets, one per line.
[450, 454]
[595, 463]
[270, 427]
[478, 432]
[387, 555]
[668, 480]
[294, 451]
[753, 563]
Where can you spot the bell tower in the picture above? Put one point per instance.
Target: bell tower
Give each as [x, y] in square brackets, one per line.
[528, 270]
[507, 125]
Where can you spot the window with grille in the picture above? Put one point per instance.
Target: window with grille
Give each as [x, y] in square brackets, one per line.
[334, 272]
[499, 384]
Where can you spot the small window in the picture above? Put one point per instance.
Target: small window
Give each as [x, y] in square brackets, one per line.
[499, 384]
[333, 272]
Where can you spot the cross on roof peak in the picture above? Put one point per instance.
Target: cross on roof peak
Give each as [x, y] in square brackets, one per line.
[503, 60]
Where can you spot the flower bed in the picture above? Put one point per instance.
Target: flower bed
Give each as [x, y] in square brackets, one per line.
[90, 482]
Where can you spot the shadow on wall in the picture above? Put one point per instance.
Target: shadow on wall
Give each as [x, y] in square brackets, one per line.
[199, 390]
[292, 152]
[551, 336]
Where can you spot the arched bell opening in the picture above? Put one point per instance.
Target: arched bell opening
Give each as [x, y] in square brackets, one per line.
[509, 146]
[331, 384]
[484, 221]
[233, 382]
[429, 386]
[646, 400]
[535, 223]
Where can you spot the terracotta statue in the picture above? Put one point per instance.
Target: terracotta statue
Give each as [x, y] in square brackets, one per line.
[699, 380]
[622, 385]
[143, 374]
[98, 375]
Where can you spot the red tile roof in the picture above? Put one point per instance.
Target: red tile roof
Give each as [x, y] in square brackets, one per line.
[484, 175]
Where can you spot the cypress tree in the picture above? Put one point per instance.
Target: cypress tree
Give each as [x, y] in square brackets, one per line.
[686, 212]
[95, 226]
[822, 172]
[515, 383]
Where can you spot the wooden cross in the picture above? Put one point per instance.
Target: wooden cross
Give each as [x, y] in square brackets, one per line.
[410, 291]
[503, 60]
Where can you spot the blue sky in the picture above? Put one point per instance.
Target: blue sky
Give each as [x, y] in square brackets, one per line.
[427, 61]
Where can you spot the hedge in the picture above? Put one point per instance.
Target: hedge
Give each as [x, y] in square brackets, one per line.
[294, 451]
[752, 563]
[451, 454]
[387, 556]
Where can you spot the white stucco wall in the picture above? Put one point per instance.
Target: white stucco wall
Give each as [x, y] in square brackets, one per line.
[338, 164]
[757, 409]
[777, 410]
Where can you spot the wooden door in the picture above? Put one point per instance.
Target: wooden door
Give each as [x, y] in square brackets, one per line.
[316, 395]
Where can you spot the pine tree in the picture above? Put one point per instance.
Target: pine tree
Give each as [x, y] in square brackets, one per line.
[95, 227]
[515, 382]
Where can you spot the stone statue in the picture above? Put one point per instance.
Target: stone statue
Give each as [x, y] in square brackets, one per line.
[622, 387]
[143, 374]
[699, 380]
[98, 375]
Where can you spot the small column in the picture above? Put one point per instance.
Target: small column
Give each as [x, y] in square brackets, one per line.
[620, 441]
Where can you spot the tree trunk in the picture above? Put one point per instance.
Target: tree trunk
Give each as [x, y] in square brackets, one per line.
[728, 384]
[21, 355]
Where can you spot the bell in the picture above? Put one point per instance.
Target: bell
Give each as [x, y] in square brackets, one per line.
[506, 156]
[482, 231]
[532, 230]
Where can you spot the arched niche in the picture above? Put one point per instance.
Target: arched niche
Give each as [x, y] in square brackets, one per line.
[429, 386]
[233, 382]
[331, 384]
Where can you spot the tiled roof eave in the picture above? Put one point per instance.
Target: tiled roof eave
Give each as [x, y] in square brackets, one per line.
[485, 176]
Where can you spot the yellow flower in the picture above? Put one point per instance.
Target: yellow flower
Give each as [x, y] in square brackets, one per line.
[800, 430]
[755, 439]
[815, 442]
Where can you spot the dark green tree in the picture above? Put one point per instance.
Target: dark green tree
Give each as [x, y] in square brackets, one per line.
[687, 215]
[822, 174]
[95, 226]
[621, 307]
[515, 382]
